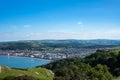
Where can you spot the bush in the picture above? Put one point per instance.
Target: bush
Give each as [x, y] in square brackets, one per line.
[24, 77]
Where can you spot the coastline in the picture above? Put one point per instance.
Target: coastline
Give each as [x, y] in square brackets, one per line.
[22, 62]
[30, 58]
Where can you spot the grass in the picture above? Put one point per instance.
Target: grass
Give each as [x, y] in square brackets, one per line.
[116, 78]
[116, 51]
[41, 73]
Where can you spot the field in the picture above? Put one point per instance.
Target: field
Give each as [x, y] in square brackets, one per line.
[39, 73]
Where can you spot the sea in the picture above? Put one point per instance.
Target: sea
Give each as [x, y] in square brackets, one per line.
[21, 62]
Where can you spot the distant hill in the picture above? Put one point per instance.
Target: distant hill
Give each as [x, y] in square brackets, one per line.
[25, 74]
[51, 44]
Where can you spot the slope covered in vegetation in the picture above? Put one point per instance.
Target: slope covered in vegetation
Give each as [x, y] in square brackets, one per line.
[102, 65]
[25, 74]
[51, 44]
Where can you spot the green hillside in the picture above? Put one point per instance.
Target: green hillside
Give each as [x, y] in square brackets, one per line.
[102, 65]
[32, 73]
[52, 44]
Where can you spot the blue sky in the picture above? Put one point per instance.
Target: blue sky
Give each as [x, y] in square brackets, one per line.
[59, 19]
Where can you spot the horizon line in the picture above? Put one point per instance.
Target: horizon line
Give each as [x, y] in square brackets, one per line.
[53, 39]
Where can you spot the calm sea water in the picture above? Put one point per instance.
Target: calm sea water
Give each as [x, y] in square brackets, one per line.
[20, 62]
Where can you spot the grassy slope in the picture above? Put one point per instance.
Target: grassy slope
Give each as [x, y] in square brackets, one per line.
[116, 51]
[116, 78]
[41, 73]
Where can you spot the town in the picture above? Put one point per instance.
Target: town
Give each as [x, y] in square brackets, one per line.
[52, 54]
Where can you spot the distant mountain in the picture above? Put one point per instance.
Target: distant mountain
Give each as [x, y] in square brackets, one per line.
[96, 41]
[40, 44]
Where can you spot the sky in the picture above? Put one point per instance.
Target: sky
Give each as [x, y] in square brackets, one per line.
[59, 19]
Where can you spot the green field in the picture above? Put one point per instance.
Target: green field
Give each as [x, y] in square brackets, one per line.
[39, 73]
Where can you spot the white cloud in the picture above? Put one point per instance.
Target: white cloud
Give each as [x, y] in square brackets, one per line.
[101, 34]
[106, 34]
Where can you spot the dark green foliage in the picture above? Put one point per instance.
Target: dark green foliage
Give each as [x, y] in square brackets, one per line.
[83, 72]
[25, 77]
[64, 62]
[9, 78]
[98, 66]
[101, 56]
[108, 58]
[23, 69]
[76, 69]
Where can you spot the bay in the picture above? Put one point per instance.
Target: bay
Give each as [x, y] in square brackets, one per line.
[21, 62]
